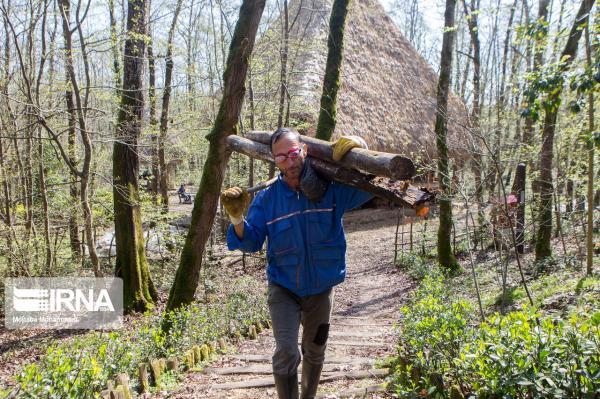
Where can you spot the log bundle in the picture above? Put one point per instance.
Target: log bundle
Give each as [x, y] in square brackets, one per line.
[382, 174]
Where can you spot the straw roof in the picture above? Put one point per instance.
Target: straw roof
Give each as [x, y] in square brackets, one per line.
[388, 91]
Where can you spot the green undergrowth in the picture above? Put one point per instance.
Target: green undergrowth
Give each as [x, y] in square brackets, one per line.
[446, 351]
[81, 367]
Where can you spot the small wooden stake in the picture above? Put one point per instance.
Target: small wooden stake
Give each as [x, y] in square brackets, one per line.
[172, 364]
[122, 380]
[252, 332]
[205, 352]
[156, 369]
[222, 345]
[143, 377]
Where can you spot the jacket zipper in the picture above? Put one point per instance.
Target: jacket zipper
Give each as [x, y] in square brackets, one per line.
[298, 265]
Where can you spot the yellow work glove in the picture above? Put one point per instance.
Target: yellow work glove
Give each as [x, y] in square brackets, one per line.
[235, 200]
[344, 144]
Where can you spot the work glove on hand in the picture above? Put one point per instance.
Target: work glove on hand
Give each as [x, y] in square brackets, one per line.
[345, 143]
[235, 200]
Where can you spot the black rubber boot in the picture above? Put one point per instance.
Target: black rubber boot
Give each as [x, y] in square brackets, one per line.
[311, 373]
[286, 385]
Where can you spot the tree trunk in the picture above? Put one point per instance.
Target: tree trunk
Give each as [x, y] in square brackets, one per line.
[190, 65]
[444, 248]
[207, 198]
[115, 44]
[252, 127]
[543, 248]
[284, 58]
[518, 189]
[131, 263]
[164, 116]
[80, 106]
[153, 121]
[591, 149]
[331, 82]
[477, 161]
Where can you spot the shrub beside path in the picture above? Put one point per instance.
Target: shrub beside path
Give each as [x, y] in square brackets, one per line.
[362, 330]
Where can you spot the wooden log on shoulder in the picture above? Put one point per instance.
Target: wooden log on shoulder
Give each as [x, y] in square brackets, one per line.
[397, 191]
[377, 163]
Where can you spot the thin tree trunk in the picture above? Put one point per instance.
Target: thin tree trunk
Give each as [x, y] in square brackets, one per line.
[331, 82]
[205, 205]
[252, 127]
[518, 189]
[80, 105]
[471, 14]
[190, 71]
[444, 247]
[543, 248]
[284, 58]
[164, 116]
[591, 149]
[75, 243]
[153, 121]
[131, 263]
[115, 44]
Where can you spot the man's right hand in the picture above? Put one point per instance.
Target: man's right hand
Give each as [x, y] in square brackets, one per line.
[235, 200]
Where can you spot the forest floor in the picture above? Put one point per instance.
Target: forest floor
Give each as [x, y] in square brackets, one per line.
[366, 308]
[362, 329]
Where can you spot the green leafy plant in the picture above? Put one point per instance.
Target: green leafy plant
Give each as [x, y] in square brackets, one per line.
[519, 355]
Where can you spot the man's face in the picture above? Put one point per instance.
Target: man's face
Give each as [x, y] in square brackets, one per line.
[289, 156]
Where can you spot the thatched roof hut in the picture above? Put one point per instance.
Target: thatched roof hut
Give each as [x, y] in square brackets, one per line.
[388, 92]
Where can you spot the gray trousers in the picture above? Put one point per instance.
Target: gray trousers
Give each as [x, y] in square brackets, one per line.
[288, 311]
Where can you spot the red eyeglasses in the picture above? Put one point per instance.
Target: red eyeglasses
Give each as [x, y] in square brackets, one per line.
[292, 154]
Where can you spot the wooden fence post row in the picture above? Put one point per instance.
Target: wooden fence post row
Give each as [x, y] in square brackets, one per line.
[155, 368]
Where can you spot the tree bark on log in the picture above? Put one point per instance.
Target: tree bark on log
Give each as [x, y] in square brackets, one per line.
[396, 191]
[378, 163]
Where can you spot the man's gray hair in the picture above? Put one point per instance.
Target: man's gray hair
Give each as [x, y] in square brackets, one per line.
[282, 131]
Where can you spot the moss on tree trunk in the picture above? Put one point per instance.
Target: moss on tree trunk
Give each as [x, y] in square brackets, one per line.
[131, 264]
[543, 247]
[331, 82]
[444, 247]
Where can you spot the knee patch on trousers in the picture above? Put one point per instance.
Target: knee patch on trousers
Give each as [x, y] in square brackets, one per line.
[322, 334]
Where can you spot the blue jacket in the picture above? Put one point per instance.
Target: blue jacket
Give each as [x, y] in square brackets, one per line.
[306, 244]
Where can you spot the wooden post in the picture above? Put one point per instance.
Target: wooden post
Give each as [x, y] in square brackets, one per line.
[396, 238]
[222, 345]
[172, 364]
[156, 369]
[518, 189]
[402, 248]
[205, 353]
[411, 235]
[122, 380]
[197, 351]
[252, 332]
[143, 378]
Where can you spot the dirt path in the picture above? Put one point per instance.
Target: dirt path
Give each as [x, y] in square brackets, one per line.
[366, 307]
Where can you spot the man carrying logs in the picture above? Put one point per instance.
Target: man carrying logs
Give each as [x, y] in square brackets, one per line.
[301, 214]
